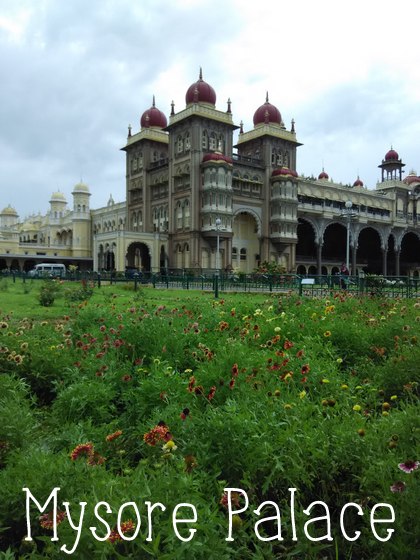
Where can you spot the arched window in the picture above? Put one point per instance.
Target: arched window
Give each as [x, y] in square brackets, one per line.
[213, 143]
[179, 145]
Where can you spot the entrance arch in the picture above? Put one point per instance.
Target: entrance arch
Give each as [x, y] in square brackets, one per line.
[138, 256]
[245, 242]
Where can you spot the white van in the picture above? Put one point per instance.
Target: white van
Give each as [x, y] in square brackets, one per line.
[48, 270]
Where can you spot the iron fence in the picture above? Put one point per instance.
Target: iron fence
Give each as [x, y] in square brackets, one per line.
[312, 286]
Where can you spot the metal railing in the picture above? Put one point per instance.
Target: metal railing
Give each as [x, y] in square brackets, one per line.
[311, 285]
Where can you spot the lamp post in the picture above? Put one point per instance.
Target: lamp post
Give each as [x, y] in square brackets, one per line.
[218, 223]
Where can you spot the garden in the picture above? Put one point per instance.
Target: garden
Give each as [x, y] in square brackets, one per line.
[170, 424]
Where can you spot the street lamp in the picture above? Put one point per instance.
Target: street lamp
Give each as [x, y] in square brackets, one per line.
[218, 224]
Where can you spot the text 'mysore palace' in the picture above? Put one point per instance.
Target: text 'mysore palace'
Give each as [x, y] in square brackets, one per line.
[189, 189]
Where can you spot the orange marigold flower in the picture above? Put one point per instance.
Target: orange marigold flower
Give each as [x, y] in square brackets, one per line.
[327, 334]
[113, 436]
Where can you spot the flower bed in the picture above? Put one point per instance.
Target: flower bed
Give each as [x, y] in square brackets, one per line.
[165, 419]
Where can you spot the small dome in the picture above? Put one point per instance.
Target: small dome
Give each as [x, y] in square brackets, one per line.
[81, 188]
[284, 171]
[58, 197]
[200, 92]
[358, 183]
[411, 178]
[217, 156]
[391, 155]
[8, 211]
[153, 118]
[267, 113]
[323, 176]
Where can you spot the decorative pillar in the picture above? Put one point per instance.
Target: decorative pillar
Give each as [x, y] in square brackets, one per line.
[354, 260]
[384, 259]
[397, 262]
[319, 258]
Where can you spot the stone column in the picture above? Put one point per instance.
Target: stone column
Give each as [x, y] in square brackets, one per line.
[354, 261]
[319, 258]
[397, 262]
[384, 259]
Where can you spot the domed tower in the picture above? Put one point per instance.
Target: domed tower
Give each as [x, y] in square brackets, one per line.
[58, 206]
[200, 148]
[358, 183]
[8, 217]
[269, 141]
[81, 222]
[146, 168]
[392, 166]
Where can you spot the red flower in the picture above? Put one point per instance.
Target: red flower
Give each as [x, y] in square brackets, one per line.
[46, 521]
[155, 435]
[82, 449]
[235, 370]
[212, 392]
[113, 436]
[232, 383]
[305, 369]
[287, 344]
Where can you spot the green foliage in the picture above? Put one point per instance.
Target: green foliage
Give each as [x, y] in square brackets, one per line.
[259, 393]
[48, 292]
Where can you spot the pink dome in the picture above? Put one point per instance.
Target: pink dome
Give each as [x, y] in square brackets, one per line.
[358, 183]
[200, 92]
[323, 176]
[267, 113]
[217, 156]
[391, 155]
[284, 171]
[153, 118]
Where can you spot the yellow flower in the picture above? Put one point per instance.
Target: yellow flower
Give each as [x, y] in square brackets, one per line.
[169, 446]
[277, 329]
[357, 408]
[394, 398]
[327, 334]
[344, 386]
[325, 381]
[339, 360]
[302, 394]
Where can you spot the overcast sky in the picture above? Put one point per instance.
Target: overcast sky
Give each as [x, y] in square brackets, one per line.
[75, 73]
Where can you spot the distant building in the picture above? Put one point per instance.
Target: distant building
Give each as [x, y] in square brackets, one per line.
[190, 190]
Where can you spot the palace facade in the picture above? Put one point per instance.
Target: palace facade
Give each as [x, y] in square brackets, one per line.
[197, 201]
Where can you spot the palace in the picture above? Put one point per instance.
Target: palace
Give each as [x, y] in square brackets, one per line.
[196, 201]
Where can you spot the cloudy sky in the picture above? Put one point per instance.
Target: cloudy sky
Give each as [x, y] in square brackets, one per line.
[76, 73]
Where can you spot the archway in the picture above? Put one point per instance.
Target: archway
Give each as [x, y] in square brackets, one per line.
[245, 242]
[335, 243]
[305, 247]
[369, 252]
[138, 256]
[410, 253]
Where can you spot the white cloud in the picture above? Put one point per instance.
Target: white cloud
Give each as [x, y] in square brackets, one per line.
[79, 72]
